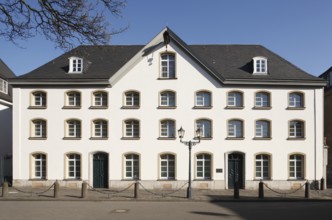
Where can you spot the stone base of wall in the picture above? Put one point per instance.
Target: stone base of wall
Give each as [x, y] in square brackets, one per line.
[164, 185]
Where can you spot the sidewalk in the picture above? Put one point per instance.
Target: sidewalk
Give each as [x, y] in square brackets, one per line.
[68, 194]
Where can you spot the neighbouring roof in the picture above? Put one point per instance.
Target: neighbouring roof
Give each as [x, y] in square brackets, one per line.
[229, 64]
[6, 74]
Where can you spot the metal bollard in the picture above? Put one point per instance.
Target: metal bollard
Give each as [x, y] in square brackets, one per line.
[306, 190]
[261, 190]
[4, 189]
[136, 190]
[322, 184]
[236, 190]
[84, 190]
[56, 189]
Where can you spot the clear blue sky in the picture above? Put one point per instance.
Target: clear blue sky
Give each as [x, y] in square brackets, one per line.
[298, 30]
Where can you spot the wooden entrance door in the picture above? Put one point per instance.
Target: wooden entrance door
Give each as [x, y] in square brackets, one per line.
[100, 170]
[235, 170]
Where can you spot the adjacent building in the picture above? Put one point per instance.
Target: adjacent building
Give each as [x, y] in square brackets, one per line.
[109, 115]
[5, 123]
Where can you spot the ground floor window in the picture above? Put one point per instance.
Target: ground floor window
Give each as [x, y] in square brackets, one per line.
[131, 166]
[39, 162]
[262, 166]
[203, 166]
[74, 166]
[167, 166]
[296, 165]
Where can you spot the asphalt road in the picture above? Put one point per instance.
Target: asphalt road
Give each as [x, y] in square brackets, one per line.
[159, 210]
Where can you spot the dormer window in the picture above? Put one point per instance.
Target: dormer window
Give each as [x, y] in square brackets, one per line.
[260, 65]
[75, 65]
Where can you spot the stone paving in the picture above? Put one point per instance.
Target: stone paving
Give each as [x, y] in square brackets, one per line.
[69, 194]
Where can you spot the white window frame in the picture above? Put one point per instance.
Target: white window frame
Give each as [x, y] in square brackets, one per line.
[296, 127]
[39, 99]
[296, 100]
[39, 127]
[167, 99]
[167, 128]
[296, 165]
[167, 66]
[235, 99]
[74, 128]
[262, 99]
[131, 128]
[132, 99]
[132, 166]
[100, 128]
[39, 166]
[167, 166]
[262, 166]
[235, 128]
[3, 86]
[203, 99]
[202, 165]
[75, 65]
[205, 125]
[260, 65]
[100, 99]
[263, 129]
[75, 172]
[73, 99]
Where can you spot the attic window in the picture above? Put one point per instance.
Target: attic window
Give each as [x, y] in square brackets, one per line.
[260, 65]
[3, 86]
[75, 65]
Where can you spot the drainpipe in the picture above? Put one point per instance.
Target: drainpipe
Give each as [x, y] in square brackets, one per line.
[315, 139]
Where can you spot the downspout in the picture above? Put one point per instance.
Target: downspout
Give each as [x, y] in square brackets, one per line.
[315, 139]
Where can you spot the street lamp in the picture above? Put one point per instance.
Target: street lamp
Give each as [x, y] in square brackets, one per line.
[190, 144]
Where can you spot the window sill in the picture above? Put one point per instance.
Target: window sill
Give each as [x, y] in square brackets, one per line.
[133, 179]
[235, 138]
[295, 108]
[262, 108]
[166, 107]
[296, 139]
[234, 107]
[268, 179]
[38, 138]
[167, 180]
[202, 107]
[206, 180]
[298, 179]
[130, 138]
[38, 179]
[98, 138]
[73, 179]
[162, 78]
[130, 107]
[71, 107]
[262, 138]
[37, 107]
[98, 107]
[167, 138]
[204, 138]
[71, 138]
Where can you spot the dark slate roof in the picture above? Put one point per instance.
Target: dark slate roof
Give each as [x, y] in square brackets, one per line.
[100, 63]
[227, 63]
[6, 73]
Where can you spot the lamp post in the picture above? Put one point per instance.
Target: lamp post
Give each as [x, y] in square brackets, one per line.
[190, 144]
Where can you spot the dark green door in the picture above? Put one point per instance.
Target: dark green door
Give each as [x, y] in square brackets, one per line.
[235, 170]
[100, 170]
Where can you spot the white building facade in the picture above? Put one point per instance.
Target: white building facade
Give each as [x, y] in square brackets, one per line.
[86, 117]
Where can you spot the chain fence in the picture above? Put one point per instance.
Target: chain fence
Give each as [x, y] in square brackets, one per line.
[32, 192]
[284, 194]
[110, 192]
[163, 194]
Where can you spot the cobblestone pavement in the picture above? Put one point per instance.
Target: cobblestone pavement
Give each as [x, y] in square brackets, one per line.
[68, 194]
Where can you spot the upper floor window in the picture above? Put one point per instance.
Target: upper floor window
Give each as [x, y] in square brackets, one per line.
[235, 100]
[39, 128]
[296, 129]
[75, 65]
[131, 128]
[203, 99]
[3, 86]
[263, 129]
[73, 99]
[235, 128]
[205, 126]
[167, 66]
[296, 100]
[167, 128]
[38, 99]
[73, 128]
[100, 99]
[132, 99]
[260, 65]
[262, 100]
[167, 99]
[100, 128]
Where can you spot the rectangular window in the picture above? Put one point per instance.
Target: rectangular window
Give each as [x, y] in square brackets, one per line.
[40, 166]
[167, 167]
[167, 129]
[132, 166]
[132, 129]
[168, 66]
[3, 86]
[74, 166]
